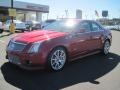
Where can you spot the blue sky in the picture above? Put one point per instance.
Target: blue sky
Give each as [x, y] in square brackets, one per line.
[58, 7]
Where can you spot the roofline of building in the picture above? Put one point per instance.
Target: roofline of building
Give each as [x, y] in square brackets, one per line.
[25, 9]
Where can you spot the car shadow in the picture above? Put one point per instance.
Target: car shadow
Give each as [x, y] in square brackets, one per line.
[87, 69]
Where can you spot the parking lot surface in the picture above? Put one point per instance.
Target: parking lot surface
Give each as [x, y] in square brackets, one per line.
[94, 72]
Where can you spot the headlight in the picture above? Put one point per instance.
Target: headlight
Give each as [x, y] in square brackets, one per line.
[35, 47]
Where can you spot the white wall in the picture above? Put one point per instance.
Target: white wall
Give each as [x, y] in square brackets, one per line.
[30, 16]
[30, 6]
[25, 5]
[38, 16]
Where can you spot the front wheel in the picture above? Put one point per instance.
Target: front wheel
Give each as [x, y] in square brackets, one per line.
[1, 30]
[57, 59]
[106, 47]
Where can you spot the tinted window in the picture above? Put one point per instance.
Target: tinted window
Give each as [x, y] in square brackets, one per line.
[95, 27]
[85, 26]
[62, 26]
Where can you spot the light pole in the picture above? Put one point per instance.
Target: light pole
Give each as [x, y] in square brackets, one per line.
[12, 26]
[12, 8]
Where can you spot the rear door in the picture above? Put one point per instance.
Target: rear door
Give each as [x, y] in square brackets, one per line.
[96, 36]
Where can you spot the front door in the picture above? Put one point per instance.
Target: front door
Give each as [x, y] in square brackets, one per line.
[83, 38]
[80, 40]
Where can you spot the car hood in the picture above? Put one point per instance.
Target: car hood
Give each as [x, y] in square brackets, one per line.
[39, 35]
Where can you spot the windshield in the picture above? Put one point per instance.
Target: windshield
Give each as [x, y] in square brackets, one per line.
[62, 25]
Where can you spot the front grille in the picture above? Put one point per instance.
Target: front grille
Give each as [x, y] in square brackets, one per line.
[16, 46]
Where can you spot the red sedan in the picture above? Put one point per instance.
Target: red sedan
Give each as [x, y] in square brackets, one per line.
[58, 43]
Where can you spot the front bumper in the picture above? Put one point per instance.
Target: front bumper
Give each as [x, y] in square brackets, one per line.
[27, 61]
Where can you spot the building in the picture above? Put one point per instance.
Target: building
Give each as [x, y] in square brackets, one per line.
[79, 14]
[25, 11]
[107, 21]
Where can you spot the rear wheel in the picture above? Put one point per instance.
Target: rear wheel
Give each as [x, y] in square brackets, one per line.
[106, 47]
[57, 59]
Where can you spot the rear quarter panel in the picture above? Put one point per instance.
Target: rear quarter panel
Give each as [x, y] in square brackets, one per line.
[107, 35]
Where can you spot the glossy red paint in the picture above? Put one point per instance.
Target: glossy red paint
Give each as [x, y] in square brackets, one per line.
[76, 45]
[40, 35]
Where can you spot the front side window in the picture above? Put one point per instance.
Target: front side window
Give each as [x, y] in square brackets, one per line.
[85, 26]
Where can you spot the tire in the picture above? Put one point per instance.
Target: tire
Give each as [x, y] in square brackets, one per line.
[57, 59]
[1, 30]
[106, 47]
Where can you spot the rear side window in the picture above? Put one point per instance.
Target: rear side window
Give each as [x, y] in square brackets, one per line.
[95, 27]
[84, 25]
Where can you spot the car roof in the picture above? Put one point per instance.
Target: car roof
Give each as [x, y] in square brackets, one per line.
[77, 20]
[74, 19]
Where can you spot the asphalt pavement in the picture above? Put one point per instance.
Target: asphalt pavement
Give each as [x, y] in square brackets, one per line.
[94, 72]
